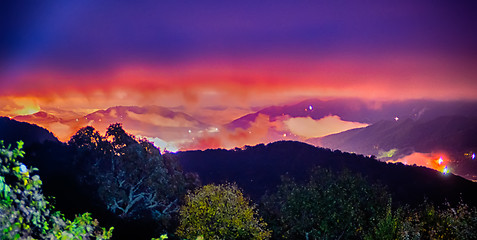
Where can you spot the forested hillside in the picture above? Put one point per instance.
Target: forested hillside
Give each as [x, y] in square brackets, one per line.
[282, 190]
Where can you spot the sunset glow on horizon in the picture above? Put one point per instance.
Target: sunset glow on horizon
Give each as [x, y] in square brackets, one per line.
[218, 61]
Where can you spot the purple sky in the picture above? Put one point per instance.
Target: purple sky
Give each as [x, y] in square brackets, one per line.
[328, 48]
[94, 35]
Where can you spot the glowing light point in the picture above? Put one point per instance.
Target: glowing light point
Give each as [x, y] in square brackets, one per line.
[445, 170]
[440, 161]
[190, 131]
[284, 135]
[310, 107]
[473, 156]
[396, 119]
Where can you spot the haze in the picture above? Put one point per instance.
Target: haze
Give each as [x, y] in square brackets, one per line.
[217, 61]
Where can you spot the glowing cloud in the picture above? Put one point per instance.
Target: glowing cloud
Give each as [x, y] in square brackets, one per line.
[162, 145]
[18, 106]
[158, 120]
[310, 128]
[258, 132]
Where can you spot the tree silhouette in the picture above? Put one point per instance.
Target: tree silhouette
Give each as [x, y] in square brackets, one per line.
[131, 177]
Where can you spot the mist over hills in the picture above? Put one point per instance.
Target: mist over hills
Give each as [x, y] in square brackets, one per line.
[151, 121]
[454, 136]
[405, 127]
[357, 110]
[451, 133]
[147, 121]
[354, 110]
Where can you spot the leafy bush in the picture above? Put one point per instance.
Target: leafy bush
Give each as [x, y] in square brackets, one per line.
[220, 212]
[24, 211]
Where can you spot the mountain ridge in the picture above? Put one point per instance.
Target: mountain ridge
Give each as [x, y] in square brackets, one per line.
[257, 169]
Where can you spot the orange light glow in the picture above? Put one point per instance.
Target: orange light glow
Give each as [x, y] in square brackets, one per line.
[445, 170]
[27, 106]
[256, 82]
[437, 161]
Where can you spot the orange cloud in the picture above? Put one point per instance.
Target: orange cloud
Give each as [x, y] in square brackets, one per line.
[18, 106]
[256, 82]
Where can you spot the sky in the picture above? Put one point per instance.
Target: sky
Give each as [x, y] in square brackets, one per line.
[86, 55]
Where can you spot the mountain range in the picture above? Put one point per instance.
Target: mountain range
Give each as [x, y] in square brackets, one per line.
[151, 121]
[389, 130]
[357, 110]
[452, 136]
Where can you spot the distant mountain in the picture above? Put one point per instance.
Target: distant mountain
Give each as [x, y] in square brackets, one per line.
[258, 169]
[151, 121]
[178, 130]
[12, 131]
[454, 135]
[39, 118]
[357, 110]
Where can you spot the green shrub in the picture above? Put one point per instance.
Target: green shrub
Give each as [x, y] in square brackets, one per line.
[220, 212]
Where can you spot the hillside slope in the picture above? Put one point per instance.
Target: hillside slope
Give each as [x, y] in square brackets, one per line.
[258, 169]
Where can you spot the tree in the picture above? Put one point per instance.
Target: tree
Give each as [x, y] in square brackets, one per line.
[87, 138]
[220, 212]
[130, 176]
[24, 211]
[329, 206]
[442, 222]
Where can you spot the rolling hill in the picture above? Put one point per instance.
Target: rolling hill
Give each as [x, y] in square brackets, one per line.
[12, 131]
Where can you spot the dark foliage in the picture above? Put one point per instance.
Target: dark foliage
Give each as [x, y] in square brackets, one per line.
[328, 206]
